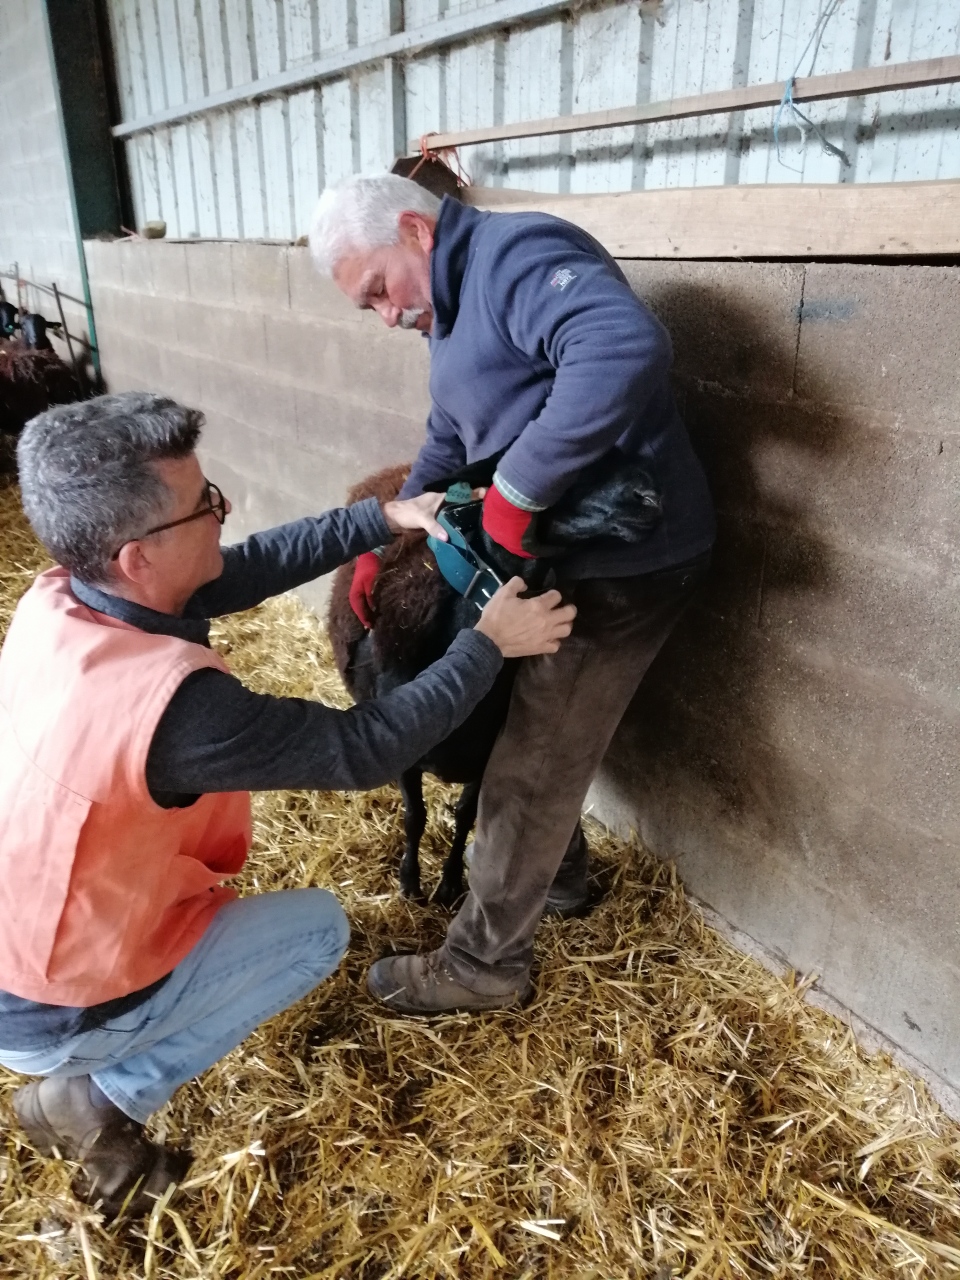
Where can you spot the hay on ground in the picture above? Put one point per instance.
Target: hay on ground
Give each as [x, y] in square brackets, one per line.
[665, 1107]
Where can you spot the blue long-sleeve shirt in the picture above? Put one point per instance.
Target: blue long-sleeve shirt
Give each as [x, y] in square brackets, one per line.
[217, 735]
[539, 346]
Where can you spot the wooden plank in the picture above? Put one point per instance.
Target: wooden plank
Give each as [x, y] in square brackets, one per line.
[222, 128]
[842, 84]
[204, 185]
[332, 65]
[306, 145]
[213, 28]
[786, 221]
[171, 59]
[184, 197]
[250, 191]
[193, 63]
[277, 178]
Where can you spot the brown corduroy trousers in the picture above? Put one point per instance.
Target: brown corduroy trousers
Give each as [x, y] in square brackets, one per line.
[563, 713]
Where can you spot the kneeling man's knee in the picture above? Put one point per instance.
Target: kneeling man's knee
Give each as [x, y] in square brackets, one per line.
[329, 932]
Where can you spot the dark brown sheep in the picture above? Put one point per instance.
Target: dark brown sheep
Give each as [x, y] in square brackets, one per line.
[417, 615]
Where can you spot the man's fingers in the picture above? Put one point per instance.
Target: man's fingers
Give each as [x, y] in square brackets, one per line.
[550, 598]
[430, 504]
[523, 627]
[415, 513]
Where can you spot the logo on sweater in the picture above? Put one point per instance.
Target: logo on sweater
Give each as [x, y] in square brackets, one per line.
[560, 279]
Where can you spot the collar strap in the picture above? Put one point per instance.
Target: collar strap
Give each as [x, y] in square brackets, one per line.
[468, 574]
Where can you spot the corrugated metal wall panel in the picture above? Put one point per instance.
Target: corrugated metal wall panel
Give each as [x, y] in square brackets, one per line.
[254, 170]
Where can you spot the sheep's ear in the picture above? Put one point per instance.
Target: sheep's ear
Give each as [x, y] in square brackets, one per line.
[343, 626]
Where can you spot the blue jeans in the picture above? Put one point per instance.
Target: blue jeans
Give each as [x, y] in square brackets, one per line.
[258, 956]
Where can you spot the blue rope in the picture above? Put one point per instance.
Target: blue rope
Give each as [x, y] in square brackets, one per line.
[787, 103]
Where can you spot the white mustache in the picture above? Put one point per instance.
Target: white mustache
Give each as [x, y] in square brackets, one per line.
[409, 317]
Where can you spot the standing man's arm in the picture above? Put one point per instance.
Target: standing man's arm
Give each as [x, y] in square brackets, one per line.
[441, 454]
[558, 300]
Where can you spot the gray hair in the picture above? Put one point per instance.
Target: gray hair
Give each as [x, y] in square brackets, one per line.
[361, 213]
[86, 478]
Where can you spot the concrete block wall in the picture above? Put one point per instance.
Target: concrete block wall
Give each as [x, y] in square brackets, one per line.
[303, 394]
[795, 747]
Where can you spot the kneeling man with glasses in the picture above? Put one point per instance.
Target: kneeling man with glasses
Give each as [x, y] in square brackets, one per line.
[127, 754]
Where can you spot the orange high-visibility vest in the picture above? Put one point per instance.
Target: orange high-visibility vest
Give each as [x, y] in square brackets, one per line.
[101, 890]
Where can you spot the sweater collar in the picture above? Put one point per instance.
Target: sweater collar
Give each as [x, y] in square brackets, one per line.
[452, 235]
[195, 630]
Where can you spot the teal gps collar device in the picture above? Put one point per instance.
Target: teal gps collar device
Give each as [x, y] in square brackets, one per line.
[468, 573]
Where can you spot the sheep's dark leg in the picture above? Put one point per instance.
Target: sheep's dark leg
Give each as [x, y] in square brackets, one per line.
[414, 825]
[450, 887]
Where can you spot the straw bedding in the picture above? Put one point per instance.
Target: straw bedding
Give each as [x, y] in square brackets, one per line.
[664, 1108]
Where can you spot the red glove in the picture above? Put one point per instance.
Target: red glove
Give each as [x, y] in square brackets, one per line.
[505, 523]
[361, 590]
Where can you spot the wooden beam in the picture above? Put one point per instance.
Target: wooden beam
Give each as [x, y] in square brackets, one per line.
[794, 220]
[842, 84]
[333, 66]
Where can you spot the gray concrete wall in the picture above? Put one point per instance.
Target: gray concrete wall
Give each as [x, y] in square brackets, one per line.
[795, 746]
[36, 215]
[303, 394]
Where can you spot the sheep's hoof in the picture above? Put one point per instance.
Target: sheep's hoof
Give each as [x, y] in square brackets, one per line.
[412, 892]
[448, 893]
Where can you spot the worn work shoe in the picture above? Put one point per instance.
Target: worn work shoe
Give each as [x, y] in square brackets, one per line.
[567, 904]
[119, 1169]
[569, 895]
[423, 984]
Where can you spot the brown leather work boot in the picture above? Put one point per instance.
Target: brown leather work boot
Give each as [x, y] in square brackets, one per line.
[423, 984]
[119, 1169]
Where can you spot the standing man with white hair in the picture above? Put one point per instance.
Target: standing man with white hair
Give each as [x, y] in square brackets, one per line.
[540, 353]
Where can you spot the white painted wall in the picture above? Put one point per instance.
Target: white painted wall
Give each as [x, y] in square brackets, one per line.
[36, 216]
[255, 171]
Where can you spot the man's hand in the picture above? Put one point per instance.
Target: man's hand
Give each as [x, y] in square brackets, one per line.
[522, 628]
[415, 513]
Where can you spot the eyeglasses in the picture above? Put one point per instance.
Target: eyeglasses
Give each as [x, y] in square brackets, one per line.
[216, 505]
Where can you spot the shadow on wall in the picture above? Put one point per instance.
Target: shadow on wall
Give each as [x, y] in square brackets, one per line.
[794, 747]
[700, 746]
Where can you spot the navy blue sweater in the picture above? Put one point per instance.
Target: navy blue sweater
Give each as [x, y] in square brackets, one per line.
[538, 343]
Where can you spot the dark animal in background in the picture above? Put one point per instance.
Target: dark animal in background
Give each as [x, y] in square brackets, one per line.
[31, 380]
[417, 618]
[33, 330]
[431, 173]
[8, 319]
